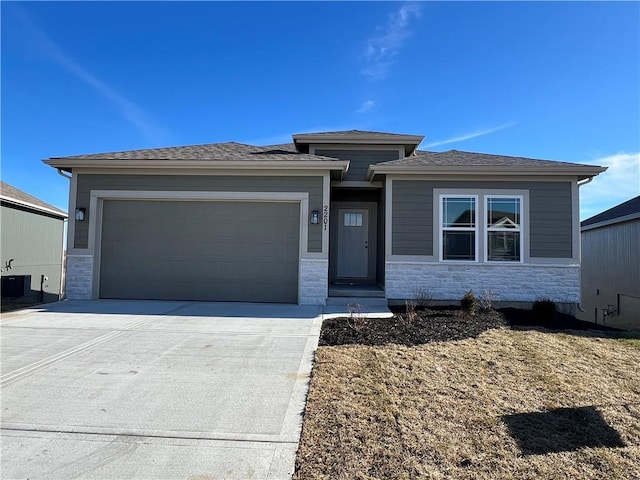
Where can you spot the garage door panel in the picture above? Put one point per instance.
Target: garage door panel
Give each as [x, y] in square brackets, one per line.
[209, 251]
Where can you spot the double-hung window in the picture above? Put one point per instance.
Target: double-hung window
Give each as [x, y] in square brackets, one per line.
[459, 227]
[488, 223]
[504, 228]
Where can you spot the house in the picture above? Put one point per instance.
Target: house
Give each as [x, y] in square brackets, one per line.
[611, 266]
[332, 213]
[31, 248]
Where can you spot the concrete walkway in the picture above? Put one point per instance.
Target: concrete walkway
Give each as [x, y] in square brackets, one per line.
[150, 390]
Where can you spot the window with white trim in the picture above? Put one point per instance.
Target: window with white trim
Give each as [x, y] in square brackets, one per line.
[503, 228]
[487, 222]
[459, 227]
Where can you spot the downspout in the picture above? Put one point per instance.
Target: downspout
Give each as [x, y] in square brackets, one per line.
[584, 182]
[64, 267]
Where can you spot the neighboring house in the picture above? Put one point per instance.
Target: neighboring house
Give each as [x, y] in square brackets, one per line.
[31, 248]
[335, 213]
[611, 266]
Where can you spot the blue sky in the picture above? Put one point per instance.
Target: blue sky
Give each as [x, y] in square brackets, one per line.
[549, 80]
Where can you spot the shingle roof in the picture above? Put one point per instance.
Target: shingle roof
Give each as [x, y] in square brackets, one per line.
[624, 209]
[454, 158]
[212, 151]
[11, 193]
[287, 147]
[355, 133]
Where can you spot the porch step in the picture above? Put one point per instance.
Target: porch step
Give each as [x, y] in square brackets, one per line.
[360, 291]
[366, 306]
[363, 301]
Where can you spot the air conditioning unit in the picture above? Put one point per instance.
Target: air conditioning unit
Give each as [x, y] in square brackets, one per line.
[15, 286]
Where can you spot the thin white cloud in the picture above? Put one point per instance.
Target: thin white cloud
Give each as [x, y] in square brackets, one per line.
[131, 112]
[619, 183]
[366, 106]
[384, 45]
[467, 136]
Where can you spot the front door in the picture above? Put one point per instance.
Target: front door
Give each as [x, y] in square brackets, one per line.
[353, 243]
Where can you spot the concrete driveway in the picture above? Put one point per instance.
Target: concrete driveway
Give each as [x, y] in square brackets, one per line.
[148, 390]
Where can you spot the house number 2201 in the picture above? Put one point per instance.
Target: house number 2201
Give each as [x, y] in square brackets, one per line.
[325, 216]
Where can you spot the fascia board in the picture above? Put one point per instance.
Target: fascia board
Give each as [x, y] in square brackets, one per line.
[611, 221]
[68, 164]
[377, 140]
[579, 171]
[32, 206]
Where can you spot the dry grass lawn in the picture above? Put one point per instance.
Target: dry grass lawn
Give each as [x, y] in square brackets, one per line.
[525, 404]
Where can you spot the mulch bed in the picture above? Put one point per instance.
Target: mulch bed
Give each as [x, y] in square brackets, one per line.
[438, 325]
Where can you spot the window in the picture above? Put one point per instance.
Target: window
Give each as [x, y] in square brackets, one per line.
[353, 219]
[459, 227]
[486, 222]
[504, 227]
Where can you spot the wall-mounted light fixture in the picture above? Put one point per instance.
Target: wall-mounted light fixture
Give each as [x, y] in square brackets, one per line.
[80, 214]
[315, 217]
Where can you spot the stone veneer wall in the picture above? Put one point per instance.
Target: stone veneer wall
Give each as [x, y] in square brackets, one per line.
[79, 277]
[314, 281]
[314, 284]
[508, 283]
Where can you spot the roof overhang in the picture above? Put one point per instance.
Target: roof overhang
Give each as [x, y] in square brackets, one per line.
[410, 142]
[69, 163]
[582, 172]
[611, 221]
[32, 206]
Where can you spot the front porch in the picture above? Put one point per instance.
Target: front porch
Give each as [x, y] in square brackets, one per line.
[356, 242]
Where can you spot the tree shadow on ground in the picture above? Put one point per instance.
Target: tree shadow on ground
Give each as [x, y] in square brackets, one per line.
[561, 430]
[519, 319]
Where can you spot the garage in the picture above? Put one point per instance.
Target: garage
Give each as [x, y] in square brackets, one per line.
[200, 250]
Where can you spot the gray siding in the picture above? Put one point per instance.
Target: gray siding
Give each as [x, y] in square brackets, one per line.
[359, 160]
[611, 266]
[34, 241]
[412, 222]
[550, 219]
[86, 183]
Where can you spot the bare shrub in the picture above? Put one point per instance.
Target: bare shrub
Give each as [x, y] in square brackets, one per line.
[357, 318]
[423, 297]
[410, 309]
[486, 300]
